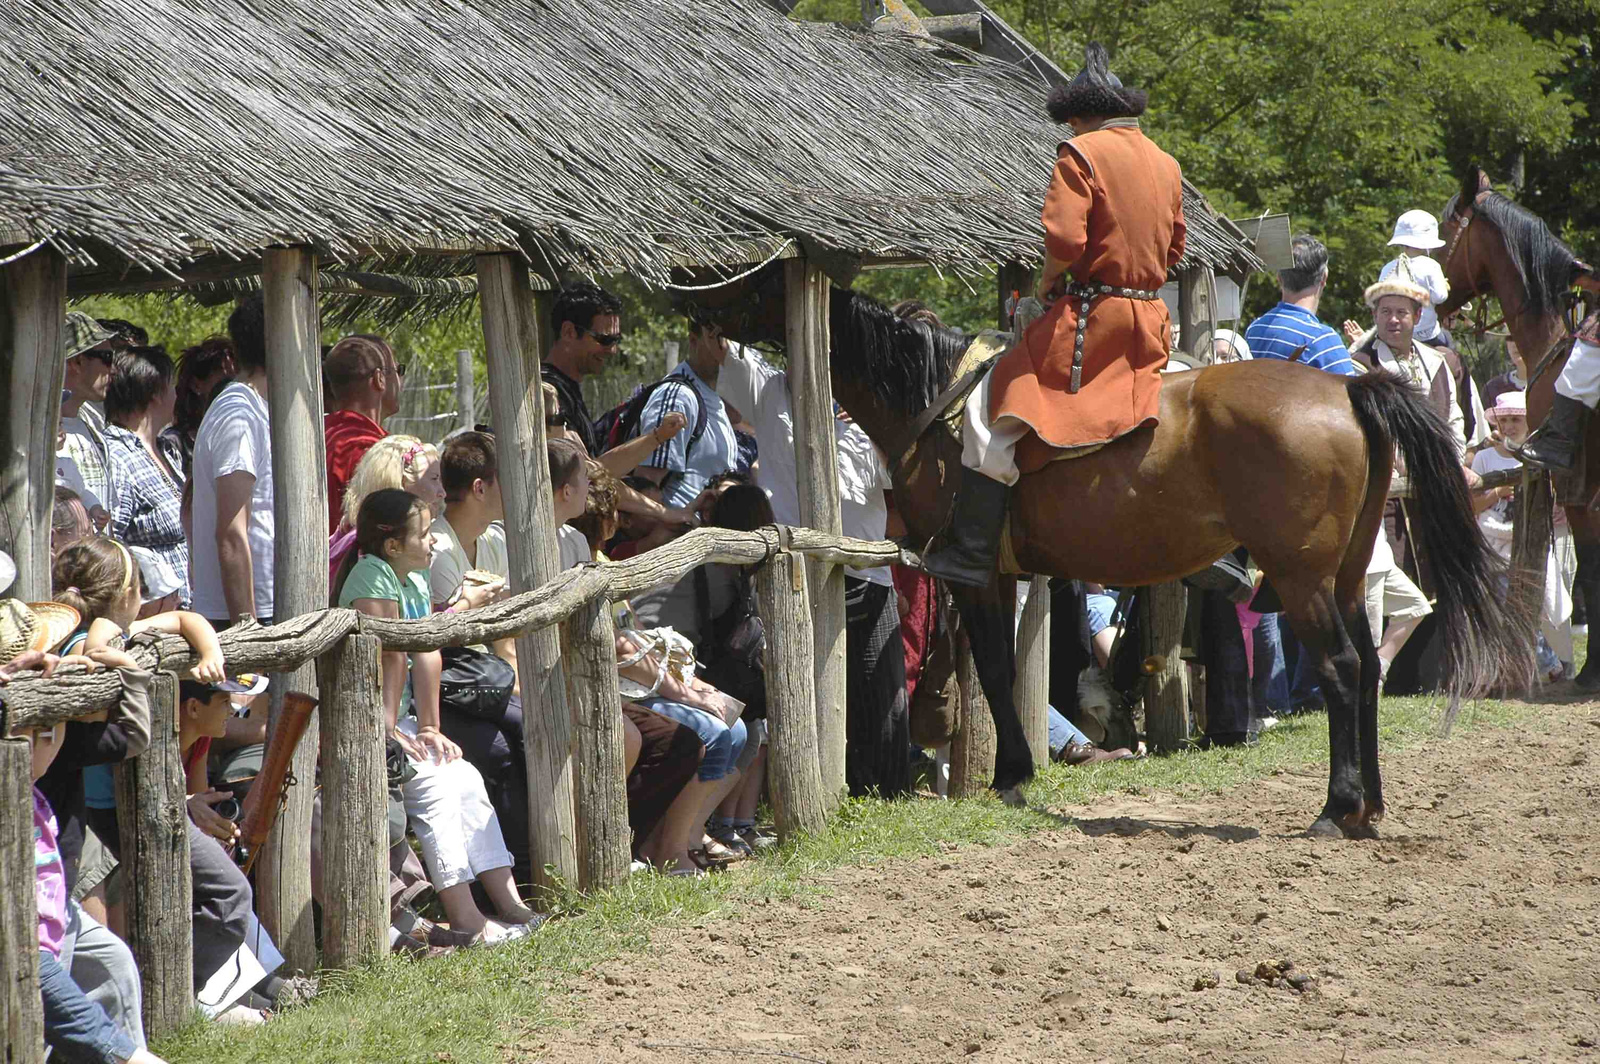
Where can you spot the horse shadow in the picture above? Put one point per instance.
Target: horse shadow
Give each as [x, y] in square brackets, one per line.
[1131, 827]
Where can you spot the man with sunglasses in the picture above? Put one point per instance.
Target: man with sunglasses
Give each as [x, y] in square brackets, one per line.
[86, 349]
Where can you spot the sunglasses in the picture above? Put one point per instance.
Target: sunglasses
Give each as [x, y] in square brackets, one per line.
[400, 370]
[98, 356]
[605, 339]
[557, 421]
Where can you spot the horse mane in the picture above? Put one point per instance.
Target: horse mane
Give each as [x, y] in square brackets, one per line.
[1543, 263]
[905, 363]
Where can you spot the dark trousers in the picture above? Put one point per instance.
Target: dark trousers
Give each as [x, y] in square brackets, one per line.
[669, 757]
[222, 904]
[877, 721]
[1229, 711]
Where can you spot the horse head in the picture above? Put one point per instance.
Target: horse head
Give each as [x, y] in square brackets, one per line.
[748, 308]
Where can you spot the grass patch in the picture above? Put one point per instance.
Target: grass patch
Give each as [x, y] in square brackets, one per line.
[476, 1006]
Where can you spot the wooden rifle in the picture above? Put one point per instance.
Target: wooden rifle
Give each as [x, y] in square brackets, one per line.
[270, 791]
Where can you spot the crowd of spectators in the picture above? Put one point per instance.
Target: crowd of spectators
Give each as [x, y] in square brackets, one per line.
[163, 520]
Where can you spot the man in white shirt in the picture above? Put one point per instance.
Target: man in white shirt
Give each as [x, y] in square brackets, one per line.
[878, 734]
[688, 461]
[233, 531]
[86, 349]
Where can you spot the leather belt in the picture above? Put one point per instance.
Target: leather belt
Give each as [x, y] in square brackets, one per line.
[1086, 293]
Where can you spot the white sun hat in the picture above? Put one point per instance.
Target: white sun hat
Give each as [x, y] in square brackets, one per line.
[1417, 229]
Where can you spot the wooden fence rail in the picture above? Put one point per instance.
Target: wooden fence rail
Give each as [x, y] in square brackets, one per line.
[345, 646]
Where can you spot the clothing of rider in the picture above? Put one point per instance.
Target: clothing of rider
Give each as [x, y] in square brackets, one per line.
[1089, 370]
[1554, 444]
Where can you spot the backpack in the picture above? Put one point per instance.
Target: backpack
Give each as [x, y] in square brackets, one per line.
[733, 646]
[621, 423]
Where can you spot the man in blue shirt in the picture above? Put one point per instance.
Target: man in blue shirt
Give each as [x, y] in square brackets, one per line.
[1293, 326]
[688, 462]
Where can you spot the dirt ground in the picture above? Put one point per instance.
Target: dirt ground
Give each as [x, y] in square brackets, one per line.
[1467, 933]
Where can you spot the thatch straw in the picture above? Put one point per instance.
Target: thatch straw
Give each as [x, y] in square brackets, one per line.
[612, 137]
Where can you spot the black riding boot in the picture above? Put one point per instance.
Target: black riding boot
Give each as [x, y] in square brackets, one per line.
[969, 553]
[1554, 444]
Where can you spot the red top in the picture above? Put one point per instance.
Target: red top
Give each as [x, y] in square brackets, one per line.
[349, 435]
[196, 754]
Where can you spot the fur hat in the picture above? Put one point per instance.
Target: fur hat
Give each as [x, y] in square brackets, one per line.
[1399, 283]
[1095, 91]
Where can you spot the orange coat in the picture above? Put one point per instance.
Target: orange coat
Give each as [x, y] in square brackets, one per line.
[1114, 214]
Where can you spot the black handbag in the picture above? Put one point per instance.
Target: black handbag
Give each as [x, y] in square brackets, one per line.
[475, 683]
[733, 646]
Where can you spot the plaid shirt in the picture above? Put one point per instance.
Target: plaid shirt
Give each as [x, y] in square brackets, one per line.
[149, 504]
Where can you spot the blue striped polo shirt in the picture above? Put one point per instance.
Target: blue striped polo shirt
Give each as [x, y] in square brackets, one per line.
[1286, 327]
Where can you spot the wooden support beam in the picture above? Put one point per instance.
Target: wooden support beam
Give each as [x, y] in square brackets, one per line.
[1166, 700]
[604, 841]
[1033, 669]
[355, 805]
[511, 333]
[794, 769]
[32, 314]
[466, 391]
[973, 749]
[1196, 316]
[153, 818]
[21, 1011]
[300, 569]
[817, 465]
[965, 30]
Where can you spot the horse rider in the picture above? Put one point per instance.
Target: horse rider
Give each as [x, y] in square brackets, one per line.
[1089, 370]
[1554, 444]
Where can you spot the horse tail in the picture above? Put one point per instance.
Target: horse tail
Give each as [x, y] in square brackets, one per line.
[1485, 639]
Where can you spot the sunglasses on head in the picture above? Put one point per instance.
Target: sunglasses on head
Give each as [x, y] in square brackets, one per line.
[605, 339]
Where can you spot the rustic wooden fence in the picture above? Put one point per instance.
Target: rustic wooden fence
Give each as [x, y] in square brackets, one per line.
[345, 647]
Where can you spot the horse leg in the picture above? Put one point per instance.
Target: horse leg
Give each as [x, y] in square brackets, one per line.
[1360, 629]
[1588, 579]
[993, 646]
[1338, 666]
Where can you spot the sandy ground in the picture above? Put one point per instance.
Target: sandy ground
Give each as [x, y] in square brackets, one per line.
[1467, 933]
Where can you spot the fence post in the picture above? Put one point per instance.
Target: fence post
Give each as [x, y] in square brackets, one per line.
[794, 771]
[1196, 316]
[601, 787]
[466, 391]
[817, 465]
[1166, 700]
[972, 750]
[511, 334]
[355, 805]
[153, 818]
[1033, 670]
[300, 565]
[21, 1012]
[33, 294]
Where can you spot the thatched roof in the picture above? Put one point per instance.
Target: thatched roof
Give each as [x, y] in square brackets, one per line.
[601, 136]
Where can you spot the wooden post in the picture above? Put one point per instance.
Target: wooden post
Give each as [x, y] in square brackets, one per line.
[794, 770]
[355, 805]
[154, 821]
[972, 750]
[21, 1012]
[604, 847]
[1196, 316]
[1033, 669]
[511, 334]
[33, 293]
[300, 569]
[1166, 700]
[466, 391]
[1532, 530]
[817, 466]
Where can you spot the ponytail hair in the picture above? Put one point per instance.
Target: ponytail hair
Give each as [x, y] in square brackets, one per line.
[92, 574]
[383, 516]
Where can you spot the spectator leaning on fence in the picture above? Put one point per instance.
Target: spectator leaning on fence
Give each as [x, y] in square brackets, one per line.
[363, 383]
[231, 554]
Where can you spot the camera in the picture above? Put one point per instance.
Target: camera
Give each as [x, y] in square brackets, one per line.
[229, 808]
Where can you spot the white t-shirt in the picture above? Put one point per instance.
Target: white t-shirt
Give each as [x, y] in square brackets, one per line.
[1497, 520]
[235, 437]
[574, 547]
[762, 395]
[1430, 275]
[450, 562]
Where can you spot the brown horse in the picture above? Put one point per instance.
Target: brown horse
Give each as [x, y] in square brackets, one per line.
[1512, 254]
[1291, 462]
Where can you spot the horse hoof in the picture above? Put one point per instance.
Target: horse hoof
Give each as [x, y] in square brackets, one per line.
[1014, 797]
[1325, 828]
[1359, 830]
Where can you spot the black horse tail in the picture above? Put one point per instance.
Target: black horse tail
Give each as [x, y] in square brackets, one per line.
[1486, 641]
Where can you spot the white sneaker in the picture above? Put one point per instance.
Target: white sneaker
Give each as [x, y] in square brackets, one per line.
[1267, 722]
[495, 933]
[241, 1016]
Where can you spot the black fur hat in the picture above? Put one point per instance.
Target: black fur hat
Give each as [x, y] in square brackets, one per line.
[1096, 91]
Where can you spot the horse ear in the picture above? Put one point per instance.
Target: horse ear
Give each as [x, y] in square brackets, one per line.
[1583, 276]
[1473, 182]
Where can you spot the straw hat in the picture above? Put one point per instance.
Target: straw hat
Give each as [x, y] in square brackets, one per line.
[28, 626]
[1402, 282]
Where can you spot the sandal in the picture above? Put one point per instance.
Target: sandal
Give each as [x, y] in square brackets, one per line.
[720, 853]
[686, 873]
[736, 845]
[706, 862]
